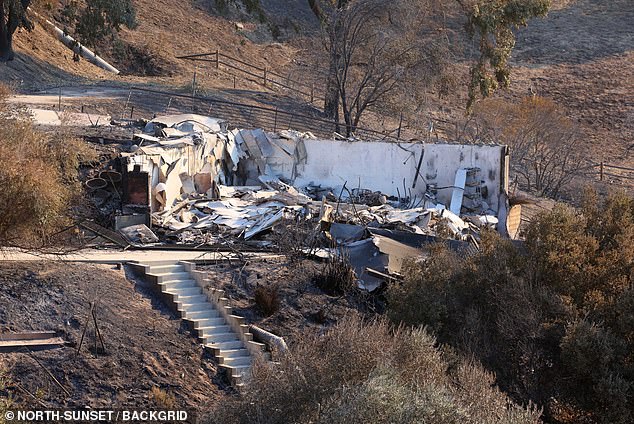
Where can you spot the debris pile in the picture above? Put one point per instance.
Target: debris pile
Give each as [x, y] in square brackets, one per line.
[239, 211]
[190, 179]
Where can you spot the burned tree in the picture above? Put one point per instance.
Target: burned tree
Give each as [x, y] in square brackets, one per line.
[326, 16]
[546, 145]
[375, 48]
[12, 16]
[376, 53]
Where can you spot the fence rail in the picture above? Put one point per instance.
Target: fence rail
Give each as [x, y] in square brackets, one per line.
[604, 170]
[309, 92]
[242, 115]
[263, 76]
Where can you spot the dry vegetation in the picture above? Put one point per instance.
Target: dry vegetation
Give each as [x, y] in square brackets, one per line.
[38, 174]
[554, 322]
[370, 372]
[548, 150]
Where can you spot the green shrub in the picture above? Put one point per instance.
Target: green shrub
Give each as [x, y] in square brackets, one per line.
[520, 313]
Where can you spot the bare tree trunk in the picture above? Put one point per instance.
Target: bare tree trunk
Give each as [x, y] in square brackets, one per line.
[332, 95]
[6, 48]
[11, 16]
[331, 98]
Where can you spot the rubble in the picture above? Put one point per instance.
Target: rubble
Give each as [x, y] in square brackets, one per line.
[200, 183]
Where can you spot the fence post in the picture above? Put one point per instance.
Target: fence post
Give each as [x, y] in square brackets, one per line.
[127, 102]
[59, 102]
[217, 58]
[312, 93]
[601, 171]
[265, 71]
[275, 121]
[400, 125]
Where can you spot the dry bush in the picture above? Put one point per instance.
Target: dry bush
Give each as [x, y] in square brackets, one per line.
[553, 321]
[162, 399]
[369, 372]
[432, 277]
[38, 176]
[593, 356]
[296, 239]
[267, 299]
[338, 276]
[546, 148]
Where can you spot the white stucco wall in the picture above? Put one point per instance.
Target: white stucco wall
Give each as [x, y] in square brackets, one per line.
[382, 166]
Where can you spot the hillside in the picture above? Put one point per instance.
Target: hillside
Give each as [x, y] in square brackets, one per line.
[581, 56]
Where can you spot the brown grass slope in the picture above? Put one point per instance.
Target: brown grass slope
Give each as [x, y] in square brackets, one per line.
[581, 56]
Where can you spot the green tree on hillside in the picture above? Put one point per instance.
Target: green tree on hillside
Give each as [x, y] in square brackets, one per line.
[91, 20]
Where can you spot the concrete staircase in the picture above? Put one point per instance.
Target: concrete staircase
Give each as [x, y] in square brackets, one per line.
[207, 313]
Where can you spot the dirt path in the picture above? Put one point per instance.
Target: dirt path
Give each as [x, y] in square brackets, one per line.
[119, 256]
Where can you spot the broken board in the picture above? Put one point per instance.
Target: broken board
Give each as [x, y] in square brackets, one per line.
[31, 340]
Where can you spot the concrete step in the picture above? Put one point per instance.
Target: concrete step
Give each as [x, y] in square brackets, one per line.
[237, 361]
[189, 299]
[195, 307]
[237, 370]
[233, 353]
[166, 269]
[211, 313]
[154, 263]
[185, 291]
[210, 331]
[220, 346]
[207, 322]
[261, 346]
[220, 337]
[173, 276]
[178, 284]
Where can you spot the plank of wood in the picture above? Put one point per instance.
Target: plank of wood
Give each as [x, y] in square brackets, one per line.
[14, 345]
[27, 335]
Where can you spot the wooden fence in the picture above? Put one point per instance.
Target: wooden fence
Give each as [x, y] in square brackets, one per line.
[308, 92]
[241, 115]
[605, 171]
[263, 76]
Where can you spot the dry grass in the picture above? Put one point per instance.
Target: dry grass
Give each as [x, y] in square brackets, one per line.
[337, 276]
[38, 176]
[267, 298]
[162, 399]
[370, 372]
